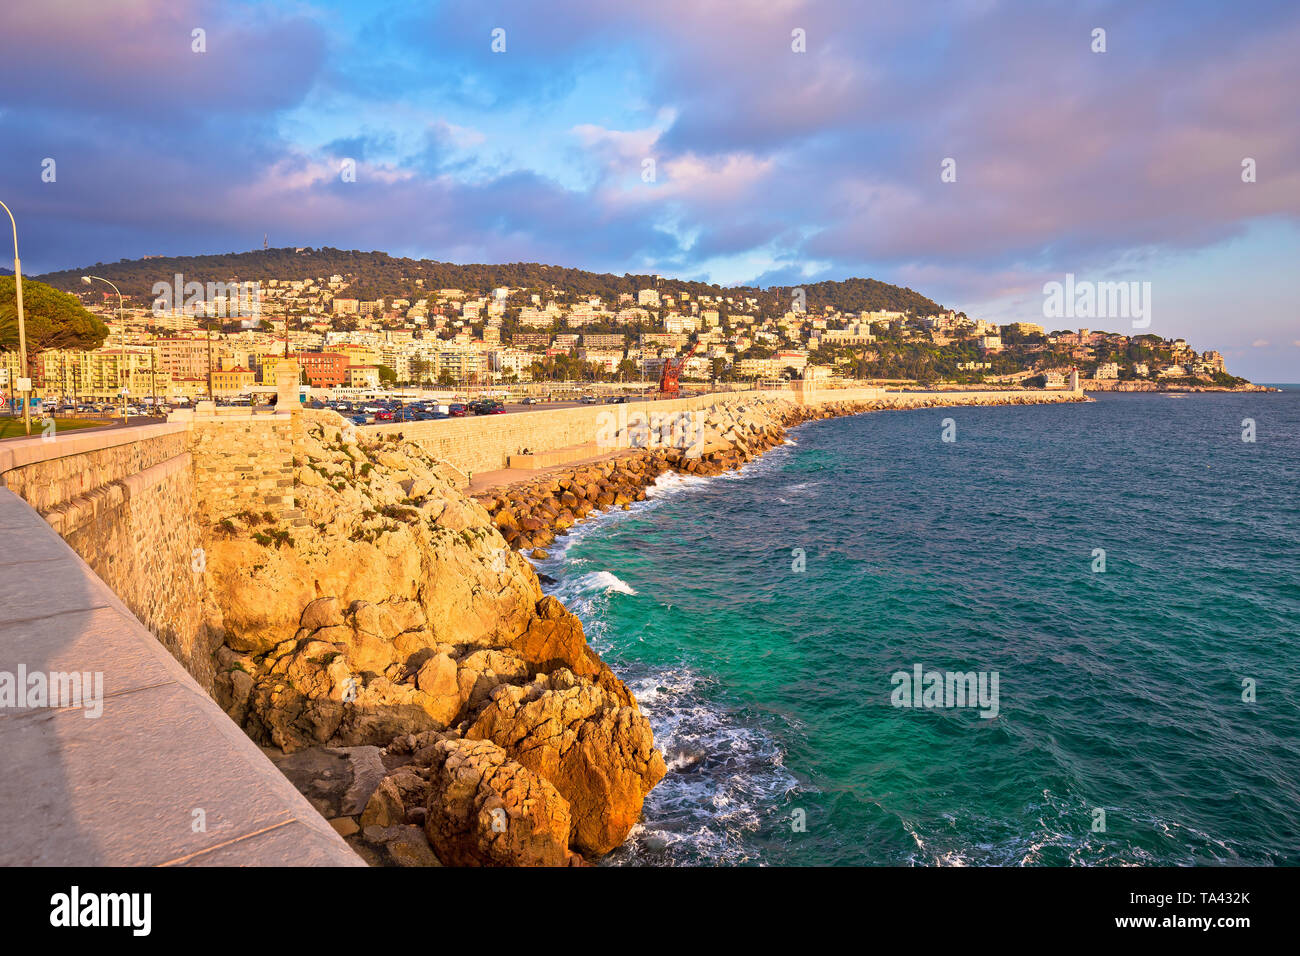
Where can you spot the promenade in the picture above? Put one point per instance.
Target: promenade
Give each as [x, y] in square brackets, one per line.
[150, 772]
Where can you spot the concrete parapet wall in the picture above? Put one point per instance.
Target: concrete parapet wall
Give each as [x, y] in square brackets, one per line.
[161, 776]
[140, 537]
[132, 502]
[48, 472]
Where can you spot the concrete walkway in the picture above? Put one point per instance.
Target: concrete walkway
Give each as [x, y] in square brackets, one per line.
[507, 477]
[162, 776]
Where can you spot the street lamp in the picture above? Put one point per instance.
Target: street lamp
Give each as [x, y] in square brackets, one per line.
[22, 330]
[121, 318]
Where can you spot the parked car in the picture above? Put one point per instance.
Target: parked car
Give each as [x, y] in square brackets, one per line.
[588, 400]
[616, 400]
[530, 400]
[456, 411]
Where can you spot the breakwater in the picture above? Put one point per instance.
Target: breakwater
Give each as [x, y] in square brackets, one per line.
[486, 443]
[643, 445]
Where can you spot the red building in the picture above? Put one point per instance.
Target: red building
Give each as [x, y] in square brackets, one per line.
[323, 369]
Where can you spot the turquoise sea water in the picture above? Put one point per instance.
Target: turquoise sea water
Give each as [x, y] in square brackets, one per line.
[769, 689]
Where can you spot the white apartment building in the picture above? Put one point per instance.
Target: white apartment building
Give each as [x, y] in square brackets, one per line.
[533, 318]
[516, 361]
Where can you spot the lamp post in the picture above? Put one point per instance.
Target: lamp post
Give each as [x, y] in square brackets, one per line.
[22, 329]
[209, 329]
[121, 318]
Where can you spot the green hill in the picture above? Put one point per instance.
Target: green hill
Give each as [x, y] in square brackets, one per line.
[374, 275]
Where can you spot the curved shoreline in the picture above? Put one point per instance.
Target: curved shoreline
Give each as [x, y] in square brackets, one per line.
[531, 514]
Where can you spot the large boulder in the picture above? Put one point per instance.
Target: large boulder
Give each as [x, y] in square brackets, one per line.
[554, 639]
[597, 751]
[484, 809]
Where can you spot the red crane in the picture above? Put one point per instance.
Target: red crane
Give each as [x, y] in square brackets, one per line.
[672, 370]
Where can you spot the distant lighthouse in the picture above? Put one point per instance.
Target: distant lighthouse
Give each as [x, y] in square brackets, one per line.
[1074, 379]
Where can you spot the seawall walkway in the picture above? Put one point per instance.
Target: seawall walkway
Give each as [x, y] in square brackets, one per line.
[161, 776]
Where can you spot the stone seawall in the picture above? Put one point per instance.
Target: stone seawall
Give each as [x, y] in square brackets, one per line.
[246, 461]
[485, 443]
[46, 473]
[374, 606]
[134, 504]
[529, 514]
[124, 501]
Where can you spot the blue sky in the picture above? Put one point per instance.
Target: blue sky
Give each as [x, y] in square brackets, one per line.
[770, 166]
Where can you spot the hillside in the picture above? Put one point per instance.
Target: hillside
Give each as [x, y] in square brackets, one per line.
[376, 274]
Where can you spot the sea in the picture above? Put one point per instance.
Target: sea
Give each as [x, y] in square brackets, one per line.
[1126, 570]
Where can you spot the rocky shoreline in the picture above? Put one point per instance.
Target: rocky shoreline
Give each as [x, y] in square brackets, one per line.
[401, 665]
[396, 658]
[1110, 385]
[724, 437]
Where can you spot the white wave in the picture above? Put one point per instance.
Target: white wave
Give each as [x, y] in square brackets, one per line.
[605, 582]
[582, 589]
[671, 482]
[725, 775]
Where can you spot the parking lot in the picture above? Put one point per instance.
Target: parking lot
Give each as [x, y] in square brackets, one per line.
[382, 411]
[369, 412]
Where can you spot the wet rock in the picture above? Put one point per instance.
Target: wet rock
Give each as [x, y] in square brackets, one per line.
[485, 809]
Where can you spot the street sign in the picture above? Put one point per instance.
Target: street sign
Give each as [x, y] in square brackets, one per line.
[4, 376]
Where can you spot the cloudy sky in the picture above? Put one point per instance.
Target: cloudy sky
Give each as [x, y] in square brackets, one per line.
[768, 165]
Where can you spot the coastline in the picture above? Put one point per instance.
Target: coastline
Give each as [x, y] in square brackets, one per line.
[1107, 385]
[403, 666]
[624, 588]
[531, 513]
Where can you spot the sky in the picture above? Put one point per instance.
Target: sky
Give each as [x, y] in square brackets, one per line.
[770, 142]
